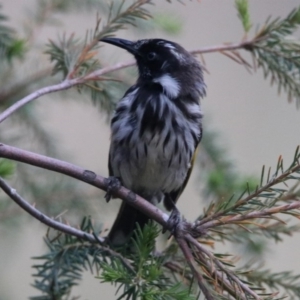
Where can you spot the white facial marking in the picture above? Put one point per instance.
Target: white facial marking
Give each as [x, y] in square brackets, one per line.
[172, 48]
[170, 85]
[164, 65]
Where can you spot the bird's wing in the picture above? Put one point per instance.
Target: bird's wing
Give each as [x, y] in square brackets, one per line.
[172, 197]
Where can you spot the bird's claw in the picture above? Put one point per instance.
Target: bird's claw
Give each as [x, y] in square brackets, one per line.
[173, 221]
[113, 184]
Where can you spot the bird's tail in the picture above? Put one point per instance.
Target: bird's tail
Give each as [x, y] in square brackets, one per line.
[124, 225]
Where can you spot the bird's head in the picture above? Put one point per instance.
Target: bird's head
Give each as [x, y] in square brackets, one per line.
[165, 63]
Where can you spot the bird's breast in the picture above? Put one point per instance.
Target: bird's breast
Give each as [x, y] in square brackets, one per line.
[152, 142]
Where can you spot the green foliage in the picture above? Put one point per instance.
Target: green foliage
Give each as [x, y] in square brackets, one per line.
[140, 275]
[275, 281]
[147, 281]
[62, 267]
[252, 234]
[123, 15]
[7, 168]
[276, 52]
[242, 7]
[78, 57]
[70, 56]
[10, 46]
[144, 273]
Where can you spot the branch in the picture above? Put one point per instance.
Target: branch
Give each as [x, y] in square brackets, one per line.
[190, 260]
[184, 231]
[265, 213]
[12, 193]
[244, 201]
[68, 83]
[224, 47]
[15, 89]
[87, 176]
[229, 274]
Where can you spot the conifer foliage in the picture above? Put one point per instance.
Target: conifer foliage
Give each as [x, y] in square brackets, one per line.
[239, 208]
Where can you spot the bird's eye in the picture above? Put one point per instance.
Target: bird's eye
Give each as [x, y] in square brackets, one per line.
[151, 55]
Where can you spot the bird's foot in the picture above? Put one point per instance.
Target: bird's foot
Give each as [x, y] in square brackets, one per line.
[113, 185]
[173, 221]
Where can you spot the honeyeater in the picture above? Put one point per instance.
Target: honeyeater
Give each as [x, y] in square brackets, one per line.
[156, 128]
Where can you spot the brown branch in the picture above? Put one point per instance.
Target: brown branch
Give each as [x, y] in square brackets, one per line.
[182, 234]
[190, 260]
[244, 201]
[68, 83]
[265, 213]
[95, 180]
[19, 87]
[87, 176]
[12, 193]
[243, 286]
[224, 47]
[221, 282]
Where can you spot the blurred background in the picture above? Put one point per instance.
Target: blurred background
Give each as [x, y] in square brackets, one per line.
[250, 124]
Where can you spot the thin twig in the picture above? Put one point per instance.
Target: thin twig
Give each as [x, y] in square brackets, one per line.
[244, 287]
[244, 201]
[68, 83]
[265, 213]
[12, 193]
[224, 47]
[190, 260]
[221, 282]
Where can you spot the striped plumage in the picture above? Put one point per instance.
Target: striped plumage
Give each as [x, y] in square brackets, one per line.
[156, 128]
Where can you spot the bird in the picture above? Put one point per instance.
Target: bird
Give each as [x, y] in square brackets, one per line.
[156, 129]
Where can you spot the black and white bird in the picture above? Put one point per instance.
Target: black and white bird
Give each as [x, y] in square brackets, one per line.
[156, 128]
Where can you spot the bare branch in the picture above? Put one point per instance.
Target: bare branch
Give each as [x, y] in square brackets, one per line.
[265, 213]
[256, 193]
[68, 83]
[12, 193]
[85, 176]
[182, 231]
[190, 260]
[243, 286]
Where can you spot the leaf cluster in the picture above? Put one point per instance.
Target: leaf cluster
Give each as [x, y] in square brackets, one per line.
[139, 275]
[142, 274]
[244, 14]
[275, 50]
[286, 281]
[272, 190]
[10, 46]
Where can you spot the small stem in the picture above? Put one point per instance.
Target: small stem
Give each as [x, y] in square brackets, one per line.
[225, 47]
[12, 193]
[68, 83]
[249, 197]
[243, 286]
[252, 215]
[190, 260]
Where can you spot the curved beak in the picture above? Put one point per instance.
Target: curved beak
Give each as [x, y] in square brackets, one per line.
[121, 43]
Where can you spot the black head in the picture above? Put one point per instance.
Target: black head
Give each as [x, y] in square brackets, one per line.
[157, 58]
